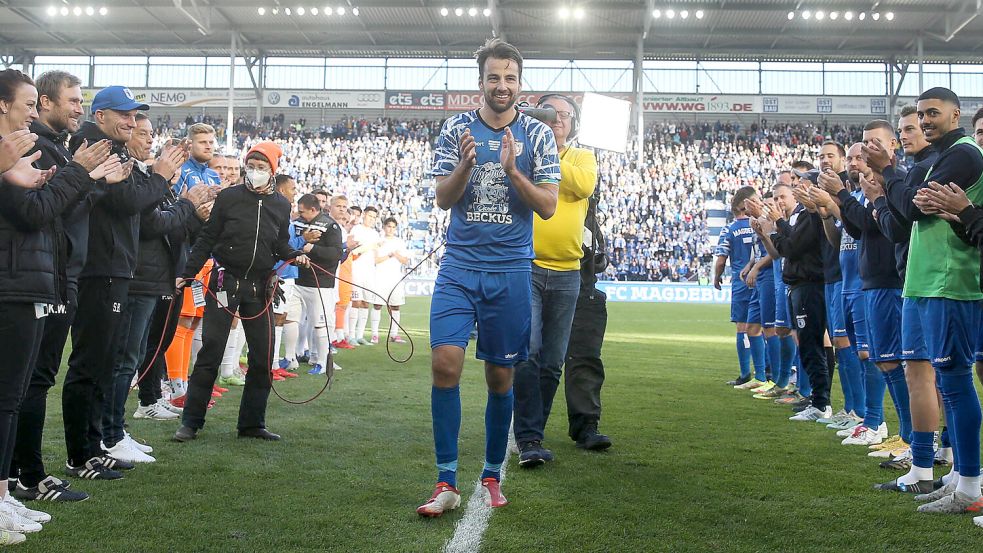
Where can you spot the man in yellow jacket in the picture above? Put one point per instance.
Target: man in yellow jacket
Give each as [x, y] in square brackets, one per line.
[555, 285]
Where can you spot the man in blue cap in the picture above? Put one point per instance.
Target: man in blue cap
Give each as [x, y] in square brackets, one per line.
[110, 260]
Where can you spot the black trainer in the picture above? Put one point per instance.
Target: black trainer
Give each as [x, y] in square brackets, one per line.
[740, 380]
[93, 469]
[920, 487]
[49, 489]
[113, 463]
[185, 434]
[531, 455]
[260, 433]
[591, 440]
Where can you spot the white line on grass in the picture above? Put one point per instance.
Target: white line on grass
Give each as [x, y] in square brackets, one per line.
[472, 526]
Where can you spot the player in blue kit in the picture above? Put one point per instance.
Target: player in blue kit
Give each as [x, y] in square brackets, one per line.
[494, 167]
[736, 244]
[758, 275]
[850, 298]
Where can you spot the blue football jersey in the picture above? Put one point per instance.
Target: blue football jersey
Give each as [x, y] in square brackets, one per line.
[760, 253]
[850, 254]
[737, 243]
[490, 227]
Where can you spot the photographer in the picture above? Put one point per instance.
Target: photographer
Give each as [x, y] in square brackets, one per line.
[246, 233]
[555, 284]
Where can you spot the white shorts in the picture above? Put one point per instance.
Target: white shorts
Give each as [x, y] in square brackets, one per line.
[291, 307]
[397, 298]
[319, 304]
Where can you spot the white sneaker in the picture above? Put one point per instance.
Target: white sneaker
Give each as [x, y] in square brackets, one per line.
[847, 432]
[812, 414]
[29, 514]
[124, 452]
[978, 521]
[13, 522]
[863, 436]
[943, 456]
[157, 412]
[13, 538]
[135, 444]
[337, 367]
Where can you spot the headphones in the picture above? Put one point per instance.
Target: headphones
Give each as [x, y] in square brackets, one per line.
[575, 118]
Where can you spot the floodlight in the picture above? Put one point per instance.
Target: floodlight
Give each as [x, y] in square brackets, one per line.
[820, 15]
[355, 11]
[862, 16]
[791, 16]
[848, 16]
[77, 11]
[459, 11]
[684, 14]
[670, 13]
[876, 16]
[834, 15]
[564, 12]
[443, 12]
[486, 12]
[328, 10]
[472, 11]
[889, 16]
[578, 13]
[89, 10]
[103, 11]
[261, 11]
[301, 10]
[806, 14]
[340, 10]
[656, 13]
[699, 14]
[52, 11]
[64, 10]
[313, 11]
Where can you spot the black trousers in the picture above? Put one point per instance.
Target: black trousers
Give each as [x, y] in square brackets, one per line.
[584, 368]
[809, 317]
[20, 338]
[89, 379]
[28, 465]
[249, 297]
[163, 323]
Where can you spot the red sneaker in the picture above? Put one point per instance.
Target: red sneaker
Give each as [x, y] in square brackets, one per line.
[216, 393]
[495, 497]
[178, 401]
[276, 376]
[211, 403]
[284, 373]
[219, 389]
[445, 498]
[342, 344]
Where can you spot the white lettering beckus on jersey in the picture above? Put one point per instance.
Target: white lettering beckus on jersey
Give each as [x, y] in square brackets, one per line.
[489, 194]
[499, 218]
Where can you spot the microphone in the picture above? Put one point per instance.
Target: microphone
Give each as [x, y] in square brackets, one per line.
[546, 114]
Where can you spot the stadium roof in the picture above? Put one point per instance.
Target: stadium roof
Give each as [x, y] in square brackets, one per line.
[761, 30]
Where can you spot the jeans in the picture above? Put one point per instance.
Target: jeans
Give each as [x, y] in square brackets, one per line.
[131, 341]
[554, 300]
[159, 337]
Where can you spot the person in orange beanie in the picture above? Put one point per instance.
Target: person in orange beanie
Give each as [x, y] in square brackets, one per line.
[247, 233]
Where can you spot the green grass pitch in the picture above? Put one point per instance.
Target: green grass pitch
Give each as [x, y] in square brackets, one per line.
[696, 466]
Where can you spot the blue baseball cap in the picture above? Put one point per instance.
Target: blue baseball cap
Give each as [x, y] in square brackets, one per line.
[118, 98]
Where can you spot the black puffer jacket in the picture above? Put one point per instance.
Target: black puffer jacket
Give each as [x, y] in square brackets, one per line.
[72, 229]
[326, 252]
[247, 233]
[114, 224]
[162, 248]
[28, 240]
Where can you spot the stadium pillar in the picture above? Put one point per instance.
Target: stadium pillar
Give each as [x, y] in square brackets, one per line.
[637, 87]
[230, 120]
[920, 42]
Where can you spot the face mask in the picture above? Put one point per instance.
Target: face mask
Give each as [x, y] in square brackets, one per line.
[258, 180]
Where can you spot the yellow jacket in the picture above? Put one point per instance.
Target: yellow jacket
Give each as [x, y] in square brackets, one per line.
[557, 241]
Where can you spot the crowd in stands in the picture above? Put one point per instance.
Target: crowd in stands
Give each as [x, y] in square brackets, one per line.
[654, 217]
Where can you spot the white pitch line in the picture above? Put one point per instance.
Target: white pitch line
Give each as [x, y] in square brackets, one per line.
[470, 529]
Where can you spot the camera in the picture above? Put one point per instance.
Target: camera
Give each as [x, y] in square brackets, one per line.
[546, 114]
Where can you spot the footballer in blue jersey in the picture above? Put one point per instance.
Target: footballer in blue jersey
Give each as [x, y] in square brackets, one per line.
[736, 245]
[493, 167]
[196, 171]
